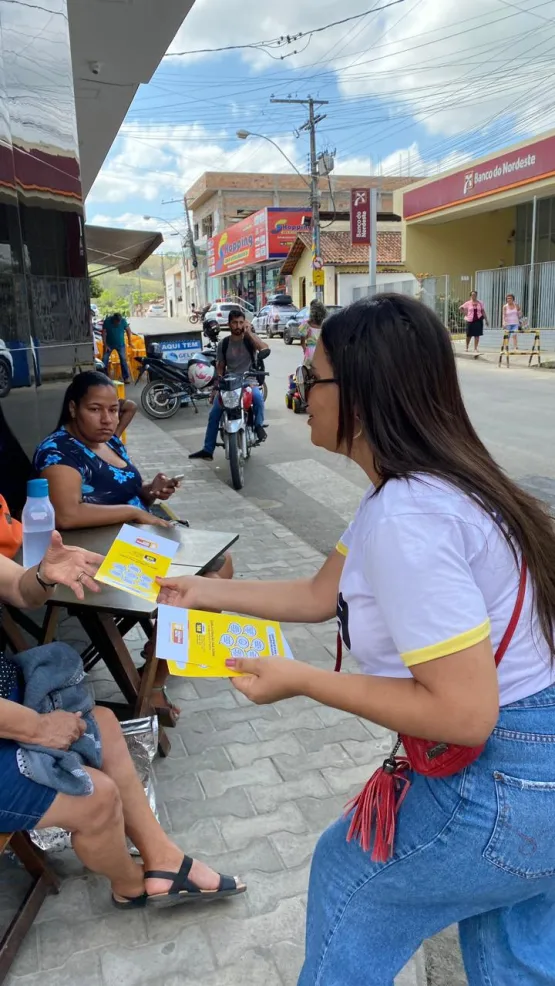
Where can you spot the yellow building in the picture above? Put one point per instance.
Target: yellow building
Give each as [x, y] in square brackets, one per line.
[489, 225]
[345, 267]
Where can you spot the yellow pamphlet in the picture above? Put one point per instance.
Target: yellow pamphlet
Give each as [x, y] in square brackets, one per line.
[197, 644]
[134, 561]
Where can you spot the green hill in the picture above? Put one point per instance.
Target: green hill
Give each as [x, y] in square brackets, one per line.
[115, 292]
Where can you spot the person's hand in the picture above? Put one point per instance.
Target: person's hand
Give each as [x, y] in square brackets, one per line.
[144, 517]
[67, 565]
[58, 730]
[190, 591]
[268, 679]
[162, 487]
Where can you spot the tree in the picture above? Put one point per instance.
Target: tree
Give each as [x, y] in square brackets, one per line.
[95, 287]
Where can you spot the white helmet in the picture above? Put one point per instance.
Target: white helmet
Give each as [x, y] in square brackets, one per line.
[201, 373]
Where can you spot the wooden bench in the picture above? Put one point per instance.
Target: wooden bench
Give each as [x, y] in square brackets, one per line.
[44, 882]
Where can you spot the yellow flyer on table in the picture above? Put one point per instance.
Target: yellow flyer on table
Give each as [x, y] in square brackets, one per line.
[197, 644]
[135, 559]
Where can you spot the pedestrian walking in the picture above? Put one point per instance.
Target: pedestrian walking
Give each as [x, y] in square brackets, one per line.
[311, 328]
[512, 315]
[444, 590]
[474, 317]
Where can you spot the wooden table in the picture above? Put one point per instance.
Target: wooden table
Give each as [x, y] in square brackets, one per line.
[107, 616]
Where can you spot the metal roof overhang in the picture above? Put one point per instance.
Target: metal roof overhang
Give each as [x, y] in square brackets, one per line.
[123, 250]
[123, 41]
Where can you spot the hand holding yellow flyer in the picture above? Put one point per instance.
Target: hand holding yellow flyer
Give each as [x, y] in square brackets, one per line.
[135, 560]
[197, 644]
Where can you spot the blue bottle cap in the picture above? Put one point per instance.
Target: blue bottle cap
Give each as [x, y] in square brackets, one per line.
[37, 487]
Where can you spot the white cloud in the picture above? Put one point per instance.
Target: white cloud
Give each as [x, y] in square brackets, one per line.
[186, 151]
[453, 66]
[406, 161]
[452, 69]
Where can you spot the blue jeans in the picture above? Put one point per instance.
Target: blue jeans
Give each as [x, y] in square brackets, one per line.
[211, 436]
[120, 350]
[477, 849]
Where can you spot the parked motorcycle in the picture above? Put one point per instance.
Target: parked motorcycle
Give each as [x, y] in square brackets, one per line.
[237, 433]
[172, 384]
[211, 330]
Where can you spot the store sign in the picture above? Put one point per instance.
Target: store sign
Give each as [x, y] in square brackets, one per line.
[284, 225]
[180, 350]
[267, 235]
[510, 170]
[238, 246]
[360, 216]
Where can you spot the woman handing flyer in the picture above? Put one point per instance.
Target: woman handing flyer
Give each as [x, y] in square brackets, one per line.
[447, 570]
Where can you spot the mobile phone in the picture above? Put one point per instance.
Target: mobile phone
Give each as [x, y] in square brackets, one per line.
[179, 477]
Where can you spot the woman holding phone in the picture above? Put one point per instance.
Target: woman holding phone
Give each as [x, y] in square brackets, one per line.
[92, 481]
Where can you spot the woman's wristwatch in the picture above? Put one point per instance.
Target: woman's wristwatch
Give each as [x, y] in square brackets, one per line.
[44, 585]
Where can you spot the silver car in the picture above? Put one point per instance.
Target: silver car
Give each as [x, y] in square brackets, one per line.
[218, 313]
[272, 319]
[291, 330]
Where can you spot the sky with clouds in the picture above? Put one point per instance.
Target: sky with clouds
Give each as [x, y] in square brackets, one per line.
[413, 87]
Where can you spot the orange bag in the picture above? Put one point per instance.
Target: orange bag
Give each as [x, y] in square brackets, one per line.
[11, 532]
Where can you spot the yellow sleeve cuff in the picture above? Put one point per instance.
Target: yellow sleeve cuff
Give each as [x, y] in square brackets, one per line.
[342, 549]
[460, 642]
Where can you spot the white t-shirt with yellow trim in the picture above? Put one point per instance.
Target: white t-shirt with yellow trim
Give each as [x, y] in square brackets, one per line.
[427, 573]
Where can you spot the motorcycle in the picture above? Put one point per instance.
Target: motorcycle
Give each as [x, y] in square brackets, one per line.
[172, 385]
[211, 330]
[238, 437]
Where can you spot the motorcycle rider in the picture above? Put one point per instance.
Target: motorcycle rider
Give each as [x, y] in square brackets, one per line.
[236, 354]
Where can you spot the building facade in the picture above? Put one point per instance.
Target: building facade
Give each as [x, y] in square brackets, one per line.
[44, 307]
[345, 268]
[488, 226]
[220, 201]
[68, 72]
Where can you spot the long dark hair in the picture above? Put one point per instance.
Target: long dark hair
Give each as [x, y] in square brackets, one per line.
[78, 389]
[397, 378]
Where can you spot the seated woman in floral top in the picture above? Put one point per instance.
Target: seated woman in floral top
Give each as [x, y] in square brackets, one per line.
[93, 483]
[91, 479]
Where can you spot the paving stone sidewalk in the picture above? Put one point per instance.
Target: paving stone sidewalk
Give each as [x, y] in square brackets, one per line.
[246, 788]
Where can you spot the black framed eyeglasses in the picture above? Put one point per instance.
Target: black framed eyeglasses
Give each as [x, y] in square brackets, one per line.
[305, 380]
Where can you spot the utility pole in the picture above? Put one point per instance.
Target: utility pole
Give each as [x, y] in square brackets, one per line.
[313, 120]
[190, 243]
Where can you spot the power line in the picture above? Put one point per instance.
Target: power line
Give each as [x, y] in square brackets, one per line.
[283, 39]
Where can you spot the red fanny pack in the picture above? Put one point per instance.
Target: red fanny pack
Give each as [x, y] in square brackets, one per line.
[376, 807]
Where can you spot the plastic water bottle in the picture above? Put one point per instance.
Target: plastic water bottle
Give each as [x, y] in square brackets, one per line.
[38, 520]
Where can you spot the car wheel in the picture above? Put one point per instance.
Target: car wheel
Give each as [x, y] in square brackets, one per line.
[287, 338]
[5, 378]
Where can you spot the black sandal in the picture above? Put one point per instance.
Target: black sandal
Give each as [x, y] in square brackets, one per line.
[184, 891]
[130, 903]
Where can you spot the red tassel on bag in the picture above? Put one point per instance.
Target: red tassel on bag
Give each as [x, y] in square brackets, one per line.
[376, 808]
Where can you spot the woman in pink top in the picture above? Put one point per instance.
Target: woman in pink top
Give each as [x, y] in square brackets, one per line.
[474, 316]
[511, 318]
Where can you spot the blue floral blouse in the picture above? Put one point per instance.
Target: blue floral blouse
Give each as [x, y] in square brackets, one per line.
[101, 482]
